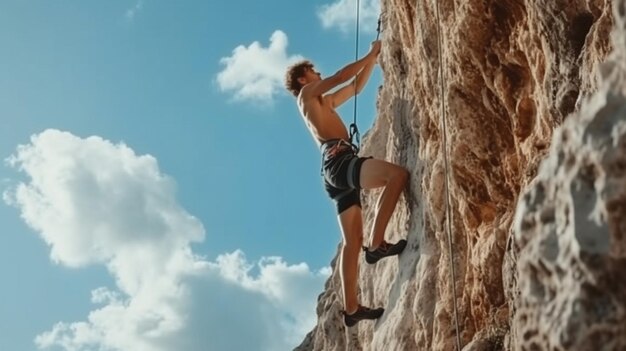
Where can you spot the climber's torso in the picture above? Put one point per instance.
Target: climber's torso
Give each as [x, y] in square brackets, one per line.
[321, 118]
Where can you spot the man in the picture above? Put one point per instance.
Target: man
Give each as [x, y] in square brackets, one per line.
[345, 173]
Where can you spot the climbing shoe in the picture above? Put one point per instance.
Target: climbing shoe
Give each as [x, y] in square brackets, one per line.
[362, 313]
[384, 249]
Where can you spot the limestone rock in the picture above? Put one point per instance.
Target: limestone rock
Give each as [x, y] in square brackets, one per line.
[514, 71]
[570, 227]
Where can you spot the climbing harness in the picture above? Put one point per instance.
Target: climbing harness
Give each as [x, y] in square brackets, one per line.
[446, 171]
[355, 136]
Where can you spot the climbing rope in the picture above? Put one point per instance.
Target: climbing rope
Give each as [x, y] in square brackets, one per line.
[446, 171]
[354, 129]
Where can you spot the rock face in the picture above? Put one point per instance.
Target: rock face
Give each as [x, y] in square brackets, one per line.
[570, 227]
[537, 251]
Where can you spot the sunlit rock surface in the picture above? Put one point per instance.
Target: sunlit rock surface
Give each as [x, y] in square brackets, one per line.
[549, 277]
[570, 228]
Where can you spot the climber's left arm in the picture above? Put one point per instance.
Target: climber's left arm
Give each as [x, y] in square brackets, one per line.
[354, 87]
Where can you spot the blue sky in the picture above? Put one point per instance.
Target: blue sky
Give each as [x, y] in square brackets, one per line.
[166, 194]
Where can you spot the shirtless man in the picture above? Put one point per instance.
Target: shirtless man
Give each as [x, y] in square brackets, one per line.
[345, 173]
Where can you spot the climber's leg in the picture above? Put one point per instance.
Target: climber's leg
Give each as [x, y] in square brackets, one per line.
[352, 230]
[375, 174]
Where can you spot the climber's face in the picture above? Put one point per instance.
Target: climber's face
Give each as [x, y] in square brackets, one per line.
[310, 75]
[315, 75]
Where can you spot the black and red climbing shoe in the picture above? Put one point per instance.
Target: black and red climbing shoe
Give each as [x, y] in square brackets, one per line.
[385, 249]
[362, 313]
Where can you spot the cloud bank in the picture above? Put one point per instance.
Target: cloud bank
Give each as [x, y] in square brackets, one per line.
[255, 73]
[341, 14]
[95, 202]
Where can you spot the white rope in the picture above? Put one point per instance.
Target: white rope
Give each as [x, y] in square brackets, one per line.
[447, 177]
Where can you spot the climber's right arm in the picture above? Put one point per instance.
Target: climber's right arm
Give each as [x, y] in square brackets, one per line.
[343, 75]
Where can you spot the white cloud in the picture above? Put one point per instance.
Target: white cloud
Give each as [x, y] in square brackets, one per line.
[132, 12]
[341, 14]
[256, 73]
[95, 202]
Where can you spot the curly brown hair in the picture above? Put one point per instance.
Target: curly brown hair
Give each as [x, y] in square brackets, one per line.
[294, 72]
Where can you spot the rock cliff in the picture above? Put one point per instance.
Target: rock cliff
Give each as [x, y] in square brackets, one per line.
[535, 144]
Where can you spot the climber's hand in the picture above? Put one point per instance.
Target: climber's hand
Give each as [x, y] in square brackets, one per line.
[375, 48]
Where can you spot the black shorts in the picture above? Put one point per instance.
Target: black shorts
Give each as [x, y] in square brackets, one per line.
[341, 168]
